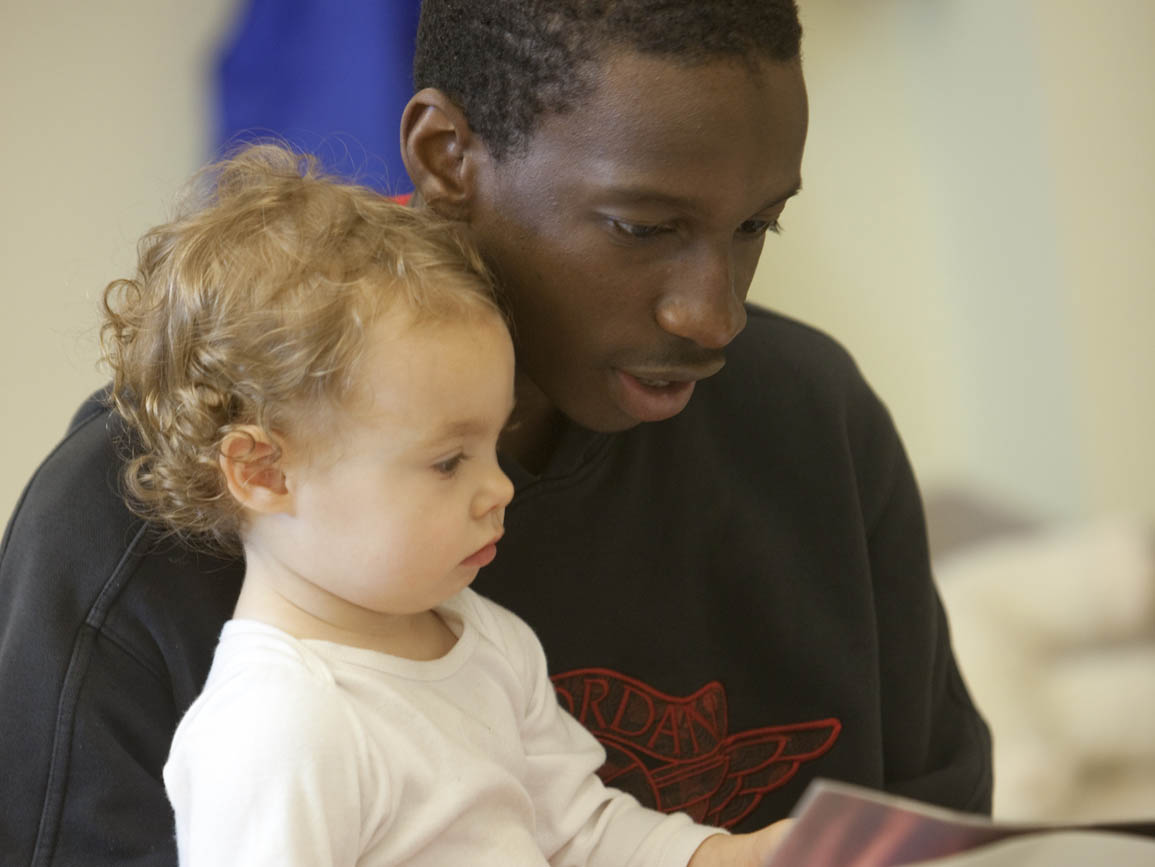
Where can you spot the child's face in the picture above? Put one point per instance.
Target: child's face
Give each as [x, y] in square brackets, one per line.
[407, 501]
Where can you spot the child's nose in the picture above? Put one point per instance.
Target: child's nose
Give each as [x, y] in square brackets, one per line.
[503, 489]
[495, 494]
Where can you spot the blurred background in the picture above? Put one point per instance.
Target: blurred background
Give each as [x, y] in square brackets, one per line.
[976, 227]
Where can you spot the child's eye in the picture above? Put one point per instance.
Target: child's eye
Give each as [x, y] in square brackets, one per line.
[449, 466]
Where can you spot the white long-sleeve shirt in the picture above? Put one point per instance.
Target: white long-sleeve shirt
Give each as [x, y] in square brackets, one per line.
[302, 752]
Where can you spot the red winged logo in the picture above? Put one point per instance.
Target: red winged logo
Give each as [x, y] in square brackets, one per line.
[677, 753]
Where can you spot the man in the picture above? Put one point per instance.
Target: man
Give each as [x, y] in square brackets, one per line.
[715, 532]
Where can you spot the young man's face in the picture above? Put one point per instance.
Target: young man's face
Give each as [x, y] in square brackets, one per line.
[626, 237]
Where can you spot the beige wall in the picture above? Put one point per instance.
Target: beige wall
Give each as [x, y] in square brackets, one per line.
[1100, 119]
[102, 107]
[975, 224]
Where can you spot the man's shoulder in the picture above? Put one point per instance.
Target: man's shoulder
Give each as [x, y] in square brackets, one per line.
[776, 343]
[788, 392]
[74, 554]
[779, 364]
[71, 512]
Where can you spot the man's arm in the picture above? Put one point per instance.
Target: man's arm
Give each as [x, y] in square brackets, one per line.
[104, 802]
[936, 746]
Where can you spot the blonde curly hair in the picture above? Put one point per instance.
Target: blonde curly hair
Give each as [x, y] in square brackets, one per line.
[251, 308]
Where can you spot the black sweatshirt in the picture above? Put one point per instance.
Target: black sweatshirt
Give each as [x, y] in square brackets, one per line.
[735, 601]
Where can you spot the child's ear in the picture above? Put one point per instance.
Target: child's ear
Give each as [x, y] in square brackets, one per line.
[441, 153]
[252, 462]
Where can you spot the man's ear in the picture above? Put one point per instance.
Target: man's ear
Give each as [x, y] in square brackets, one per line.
[441, 153]
[252, 462]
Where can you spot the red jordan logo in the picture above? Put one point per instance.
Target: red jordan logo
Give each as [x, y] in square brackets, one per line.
[677, 754]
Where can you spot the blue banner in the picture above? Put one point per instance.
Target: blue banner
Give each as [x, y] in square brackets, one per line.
[330, 77]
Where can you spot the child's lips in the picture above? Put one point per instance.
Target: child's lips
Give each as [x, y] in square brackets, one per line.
[483, 556]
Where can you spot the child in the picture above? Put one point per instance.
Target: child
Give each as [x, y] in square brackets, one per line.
[319, 377]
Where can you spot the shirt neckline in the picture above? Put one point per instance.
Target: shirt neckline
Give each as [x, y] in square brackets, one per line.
[445, 666]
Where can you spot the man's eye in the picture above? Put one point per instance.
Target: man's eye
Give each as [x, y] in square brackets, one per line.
[756, 228]
[638, 230]
[449, 466]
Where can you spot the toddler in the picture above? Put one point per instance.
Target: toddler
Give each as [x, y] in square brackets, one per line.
[318, 377]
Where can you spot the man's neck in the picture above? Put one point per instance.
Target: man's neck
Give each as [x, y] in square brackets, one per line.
[534, 429]
[532, 442]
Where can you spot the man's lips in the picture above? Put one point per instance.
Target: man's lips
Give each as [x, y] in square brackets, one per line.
[654, 394]
[484, 555]
[674, 375]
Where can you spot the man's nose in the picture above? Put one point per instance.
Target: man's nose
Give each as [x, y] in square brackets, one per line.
[702, 302]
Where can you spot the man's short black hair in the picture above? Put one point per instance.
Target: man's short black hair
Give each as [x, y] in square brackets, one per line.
[505, 63]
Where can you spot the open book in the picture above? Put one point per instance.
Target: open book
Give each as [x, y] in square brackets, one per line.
[840, 825]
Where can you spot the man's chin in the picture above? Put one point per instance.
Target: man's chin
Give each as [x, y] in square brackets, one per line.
[621, 404]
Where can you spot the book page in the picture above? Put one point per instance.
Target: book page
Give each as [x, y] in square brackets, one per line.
[840, 825]
[1057, 849]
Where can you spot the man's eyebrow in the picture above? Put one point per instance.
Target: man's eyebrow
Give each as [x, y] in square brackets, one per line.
[647, 195]
[778, 200]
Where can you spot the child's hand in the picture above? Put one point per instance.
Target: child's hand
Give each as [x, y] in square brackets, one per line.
[740, 850]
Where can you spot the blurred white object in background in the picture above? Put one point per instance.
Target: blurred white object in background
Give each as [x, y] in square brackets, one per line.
[1054, 629]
